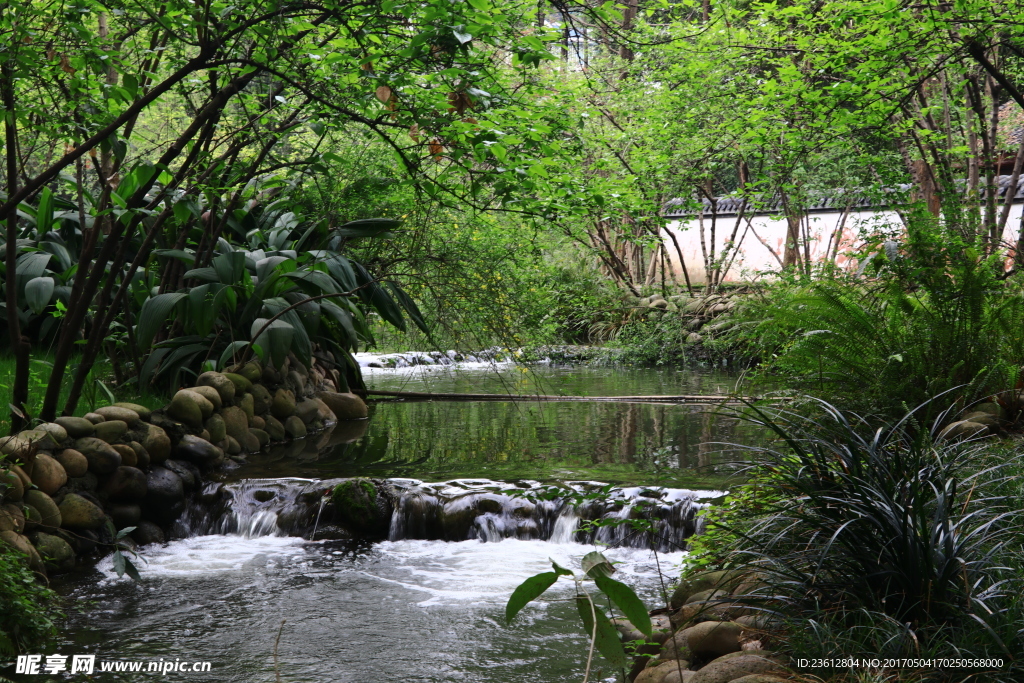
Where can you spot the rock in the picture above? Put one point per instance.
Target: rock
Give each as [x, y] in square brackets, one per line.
[251, 371]
[17, 516]
[260, 435]
[233, 447]
[142, 411]
[271, 375]
[695, 612]
[126, 484]
[22, 545]
[189, 473]
[222, 384]
[41, 440]
[242, 384]
[739, 667]
[73, 462]
[47, 473]
[57, 554]
[165, 496]
[157, 444]
[210, 394]
[184, 407]
[702, 581]
[282, 406]
[672, 671]
[7, 521]
[89, 482]
[142, 458]
[76, 427]
[216, 427]
[11, 486]
[236, 424]
[93, 417]
[274, 428]
[307, 410]
[345, 406]
[296, 382]
[708, 595]
[990, 408]
[325, 414]
[694, 338]
[198, 451]
[126, 415]
[761, 678]
[987, 419]
[25, 480]
[102, 458]
[261, 399]
[124, 515]
[247, 404]
[49, 513]
[361, 509]
[963, 430]
[258, 422]
[15, 447]
[712, 639]
[774, 656]
[294, 427]
[33, 518]
[249, 442]
[56, 432]
[127, 454]
[111, 431]
[146, 532]
[205, 406]
[677, 647]
[78, 513]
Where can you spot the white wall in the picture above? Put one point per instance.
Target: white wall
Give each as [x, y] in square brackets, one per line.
[767, 234]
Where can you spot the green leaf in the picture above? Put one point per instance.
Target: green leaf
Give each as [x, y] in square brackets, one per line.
[595, 564]
[205, 274]
[38, 292]
[229, 352]
[560, 570]
[368, 227]
[178, 254]
[44, 211]
[606, 638]
[527, 591]
[153, 315]
[409, 305]
[277, 338]
[229, 267]
[627, 601]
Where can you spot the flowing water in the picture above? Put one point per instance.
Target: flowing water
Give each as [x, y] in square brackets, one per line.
[510, 494]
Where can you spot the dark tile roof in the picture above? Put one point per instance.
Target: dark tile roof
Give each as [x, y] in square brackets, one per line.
[837, 201]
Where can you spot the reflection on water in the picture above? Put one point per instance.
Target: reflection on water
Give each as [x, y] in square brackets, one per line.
[623, 443]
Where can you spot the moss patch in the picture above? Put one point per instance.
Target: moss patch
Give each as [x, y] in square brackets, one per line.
[356, 507]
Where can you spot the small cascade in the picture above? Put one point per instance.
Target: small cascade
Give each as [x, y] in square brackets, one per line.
[253, 507]
[458, 510]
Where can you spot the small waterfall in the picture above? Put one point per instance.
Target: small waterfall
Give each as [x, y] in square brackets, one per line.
[458, 510]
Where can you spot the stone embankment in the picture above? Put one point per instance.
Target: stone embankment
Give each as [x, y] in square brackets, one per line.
[68, 486]
[712, 633]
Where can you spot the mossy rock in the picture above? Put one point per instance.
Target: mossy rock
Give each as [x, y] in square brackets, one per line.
[141, 410]
[251, 371]
[224, 386]
[695, 583]
[361, 508]
[241, 383]
[76, 427]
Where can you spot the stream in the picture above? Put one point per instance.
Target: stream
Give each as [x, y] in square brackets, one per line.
[416, 607]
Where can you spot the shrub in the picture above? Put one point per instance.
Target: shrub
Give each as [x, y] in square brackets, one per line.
[879, 540]
[28, 610]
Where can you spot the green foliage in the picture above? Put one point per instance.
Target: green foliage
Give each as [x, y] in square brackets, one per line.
[880, 536]
[28, 610]
[930, 316]
[598, 627]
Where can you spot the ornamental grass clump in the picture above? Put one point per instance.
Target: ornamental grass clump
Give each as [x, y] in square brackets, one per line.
[886, 537]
